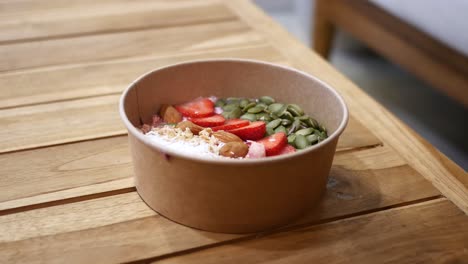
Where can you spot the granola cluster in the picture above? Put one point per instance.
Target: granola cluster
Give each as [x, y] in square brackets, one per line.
[204, 138]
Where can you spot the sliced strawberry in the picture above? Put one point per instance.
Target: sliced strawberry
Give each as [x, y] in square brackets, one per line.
[157, 120]
[274, 143]
[210, 121]
[232, 124]
[200, 107]
[254, 131]
[287, 149]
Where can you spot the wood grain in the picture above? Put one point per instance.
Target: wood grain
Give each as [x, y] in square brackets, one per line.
[126, 44]
[73, 170]
[96, 230]
[356, 136]
[44, 125]
[384, 125]
[100, 78]
[432, 232]
[74, 216]
[53, 20]
[51, 172]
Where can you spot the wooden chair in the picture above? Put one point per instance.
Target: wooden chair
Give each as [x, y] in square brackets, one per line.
[419, 53]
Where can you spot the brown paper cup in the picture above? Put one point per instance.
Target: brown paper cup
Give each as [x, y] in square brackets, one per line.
[231, 196]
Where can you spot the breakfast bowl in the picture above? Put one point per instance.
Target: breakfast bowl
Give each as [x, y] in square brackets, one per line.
[230, 195]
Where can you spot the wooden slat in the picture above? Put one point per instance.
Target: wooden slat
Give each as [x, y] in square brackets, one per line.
[99, 17]
[55, 173]
[356, 135]
[151, 42]
[97, 230]
[71, 217]
[38, 176]
[391, 131]
[432, 232]
[100, 78]
[43, 125]
[20, 6]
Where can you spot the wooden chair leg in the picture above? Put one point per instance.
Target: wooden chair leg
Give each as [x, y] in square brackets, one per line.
[324, 31]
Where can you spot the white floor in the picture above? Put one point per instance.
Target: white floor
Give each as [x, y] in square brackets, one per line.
[437, 118]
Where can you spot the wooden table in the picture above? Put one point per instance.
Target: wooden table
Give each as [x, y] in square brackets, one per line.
[66, 186]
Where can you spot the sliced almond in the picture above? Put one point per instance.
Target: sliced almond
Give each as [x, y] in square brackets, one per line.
[193, 127]
[226, 137]
[234, 150]
[170, 114]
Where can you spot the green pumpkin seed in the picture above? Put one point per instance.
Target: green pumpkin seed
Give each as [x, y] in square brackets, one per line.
[312, 138]
[319, 134]
[291, 138]
[281, 129]
[249, 116]
[274, 124]
[301, 142]
[270, 131]
[282, 111]
[226, 114]
[286, 122]
[255, 110]
[264, 117]
[263, 105]
[266, 100]
[233, 100]
[323, 129]
[220, 103]
[305, 131]
[304, 125]
[287, 115]
[302, 118]
[273, 116]
[295, 126]
[295, 110]
[230, 107]
[273, 108]
[236, 113]
[322, 136]
[248, 106]
[243, 102]
[314, 123]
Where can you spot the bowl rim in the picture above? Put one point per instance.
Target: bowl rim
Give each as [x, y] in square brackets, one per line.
[229, 161]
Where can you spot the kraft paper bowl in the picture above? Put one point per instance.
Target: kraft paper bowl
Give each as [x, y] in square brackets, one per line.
[230, 196]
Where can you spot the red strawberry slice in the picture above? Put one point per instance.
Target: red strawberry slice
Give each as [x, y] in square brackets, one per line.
[274, 143]
[287, 149]
[254, 131]
[200, 107]
[232, 124]
[210, 121]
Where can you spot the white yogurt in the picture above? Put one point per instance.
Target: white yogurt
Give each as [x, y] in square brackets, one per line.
[185, 142]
